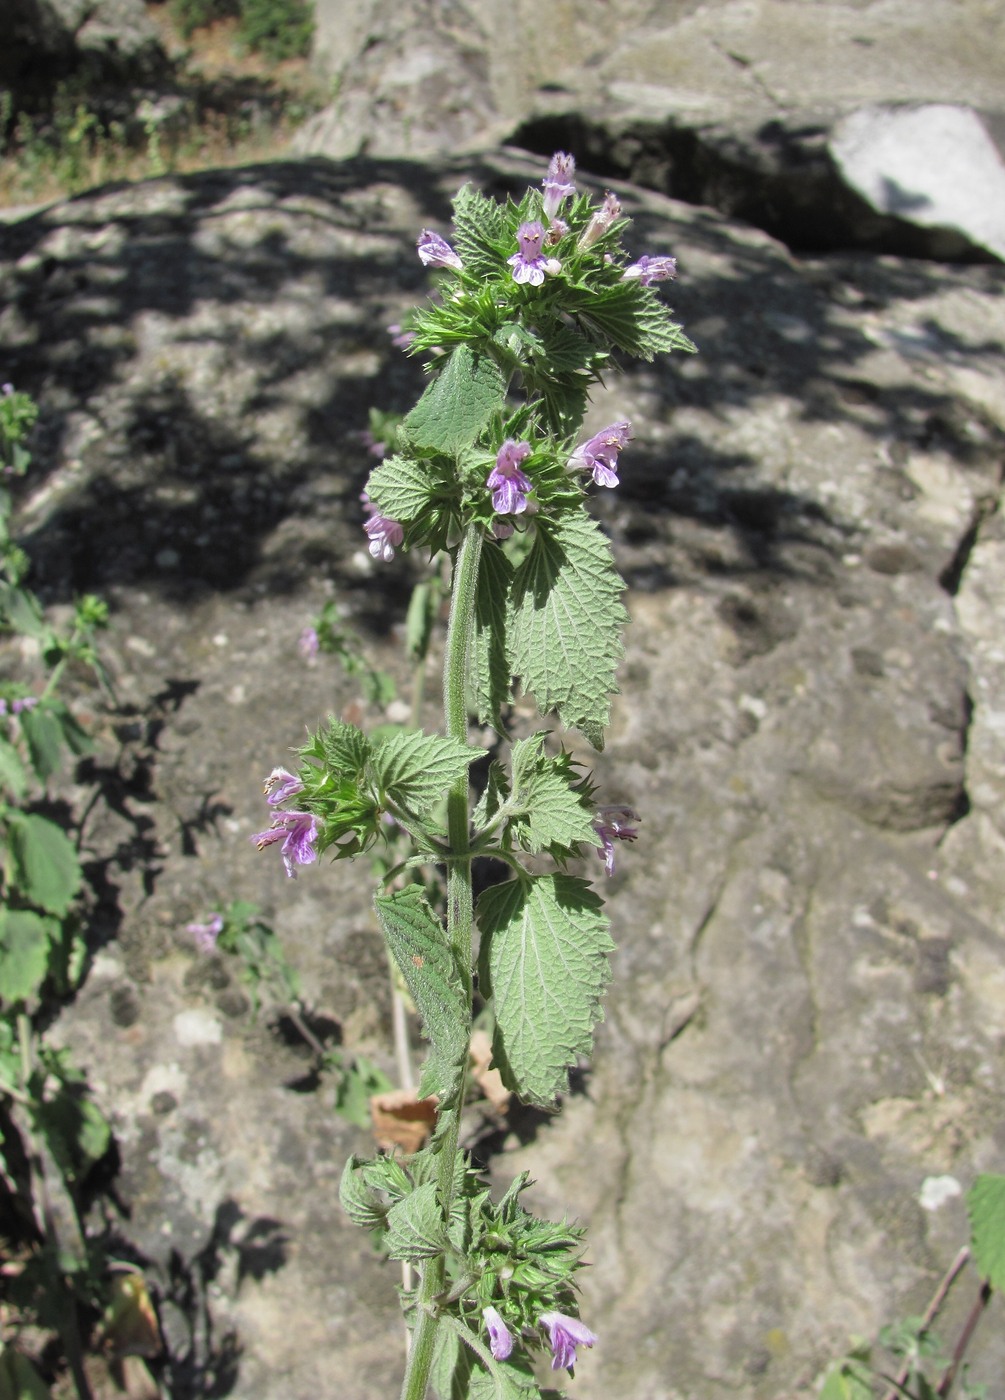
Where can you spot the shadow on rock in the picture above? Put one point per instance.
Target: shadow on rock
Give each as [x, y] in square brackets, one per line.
[204, 1362]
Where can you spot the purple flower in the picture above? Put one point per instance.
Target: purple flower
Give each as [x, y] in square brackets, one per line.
[557, 230]
[502, 529]
[298, 831]
[558, 182]
[508, 484]
[649, 270]
[205, 935]
[500, 1337]
[308, 643]
[565, 1335]
[601, 222]
[26, 702]
[600, 454]
[280, 785]
[400, 338]
[6, 390]
[3, 708]
[614, 824]
[436, 251]
[528, 265]
[385, 535]
[372, 444]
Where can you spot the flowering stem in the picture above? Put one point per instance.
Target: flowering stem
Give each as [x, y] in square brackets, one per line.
[459, 930]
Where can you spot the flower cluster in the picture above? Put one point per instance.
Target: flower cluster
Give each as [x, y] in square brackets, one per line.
[508, 484]
[599, 456]
[557, 234]
[309, 643]
[558, 183]
[614, 823]
[205, 935]
[298, 831]
[385, 535]
[435, 251]
[608, 213]
[649, 270]
[18, 707]
[528, 263]
[565, 1334]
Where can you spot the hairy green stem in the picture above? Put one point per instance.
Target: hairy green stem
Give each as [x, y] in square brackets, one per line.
[460, 919]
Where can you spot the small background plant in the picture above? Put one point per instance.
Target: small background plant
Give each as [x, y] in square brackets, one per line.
[58, 1275]
[279, 29]
[909, 1359]
[239, 86]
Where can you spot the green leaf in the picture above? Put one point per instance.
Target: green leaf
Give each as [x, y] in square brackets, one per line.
[401, 488]
[75, 737]
[419, 944]
[451, 1369]
[415, 1228]
[358, 1084]
[457, 405]
[844, 1381]
[18, 1378]
[505, 1380]
[45, 867]
[489, 675]
[495, 794]
[21, 611]
[565, 621]
[43, 733]
[416, 770]
[359, 1201]
[76, 1130]
[633, 317]
[388, 1174]
[459, 1374]
[544, 963]
[26, 940]
[986, 1208]
[343, 747]
[13, 778]
[554, 814]
[564, 352]
[479, 228]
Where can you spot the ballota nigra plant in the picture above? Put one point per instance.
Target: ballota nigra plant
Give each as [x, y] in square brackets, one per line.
[493, 468]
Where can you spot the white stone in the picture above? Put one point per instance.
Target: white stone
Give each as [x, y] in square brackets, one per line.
[197, 1027]
[937, 1190]
[933, 165]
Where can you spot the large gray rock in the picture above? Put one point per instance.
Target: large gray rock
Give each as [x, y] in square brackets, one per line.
[722, 102]
[806, 1016]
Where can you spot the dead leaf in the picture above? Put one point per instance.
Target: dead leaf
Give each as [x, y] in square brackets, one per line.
[128, 1378]
[488, 1080]
[402, 1120]
[135, 1379]
[130, 1323]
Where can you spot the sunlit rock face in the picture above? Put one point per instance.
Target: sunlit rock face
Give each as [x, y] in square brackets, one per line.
[804, 1023]
[772, 113]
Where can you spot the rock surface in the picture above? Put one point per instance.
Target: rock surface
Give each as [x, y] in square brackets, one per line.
[808, 1008]
[721, 102]
[95, 42]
